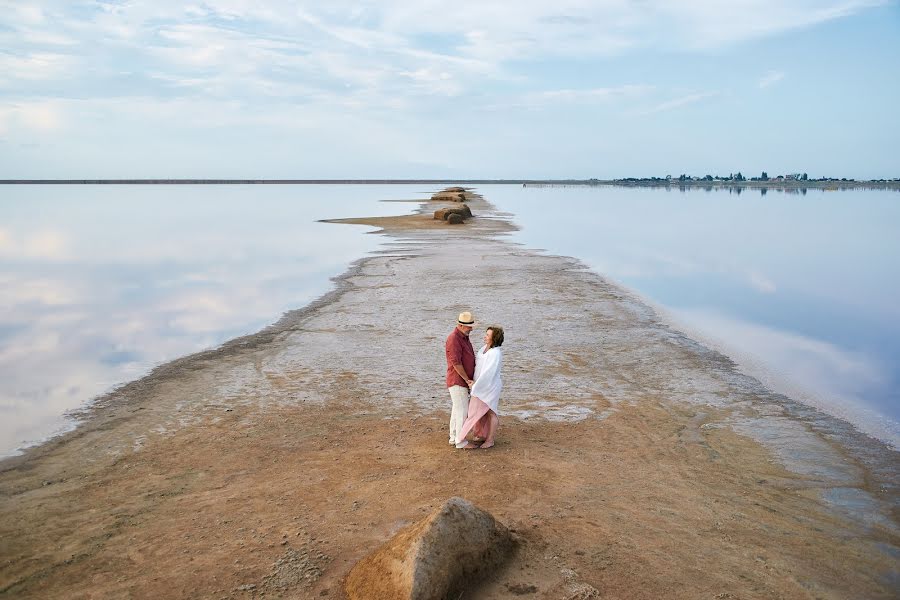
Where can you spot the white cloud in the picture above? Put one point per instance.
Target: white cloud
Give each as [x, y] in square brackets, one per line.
[391, 65]
[39, 115]
[568, 96]
[35, 66]
[771, 78]
[711, 23]
[380, 45]
[677, 103]
[41, 245]
[761, 283]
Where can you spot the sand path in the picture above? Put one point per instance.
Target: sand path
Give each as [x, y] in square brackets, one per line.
[629, 459]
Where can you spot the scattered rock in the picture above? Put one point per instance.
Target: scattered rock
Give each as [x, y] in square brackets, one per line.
[582, 591]
[296, 569]
[434, 558]
[455, 219]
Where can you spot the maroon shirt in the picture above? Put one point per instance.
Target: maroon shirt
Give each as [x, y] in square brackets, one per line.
[459, 352]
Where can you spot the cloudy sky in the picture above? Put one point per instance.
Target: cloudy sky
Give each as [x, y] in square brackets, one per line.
[568, 88]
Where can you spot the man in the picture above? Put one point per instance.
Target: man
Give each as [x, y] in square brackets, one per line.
[460, 371]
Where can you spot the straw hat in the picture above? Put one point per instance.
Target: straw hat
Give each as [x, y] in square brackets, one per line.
[466, 318]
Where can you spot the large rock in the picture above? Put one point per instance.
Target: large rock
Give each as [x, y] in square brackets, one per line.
[455, 218]
[434, 559]
[463, 210]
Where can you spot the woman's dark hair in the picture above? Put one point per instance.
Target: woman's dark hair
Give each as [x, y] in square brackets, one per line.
[496, 336]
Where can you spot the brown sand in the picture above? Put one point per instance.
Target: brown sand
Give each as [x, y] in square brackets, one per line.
[268, 467]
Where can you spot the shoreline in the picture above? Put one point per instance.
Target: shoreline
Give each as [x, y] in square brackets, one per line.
[790, 186]
[118, 395]
[278, 379]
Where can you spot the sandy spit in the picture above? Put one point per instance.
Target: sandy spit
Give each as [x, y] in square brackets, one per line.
[632, 461]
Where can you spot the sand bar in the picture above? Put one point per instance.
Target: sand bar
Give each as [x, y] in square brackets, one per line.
[631, 460]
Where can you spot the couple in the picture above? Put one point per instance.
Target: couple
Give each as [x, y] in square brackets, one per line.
[474, 384]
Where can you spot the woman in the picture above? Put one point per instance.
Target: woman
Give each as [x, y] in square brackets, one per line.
[482, 418]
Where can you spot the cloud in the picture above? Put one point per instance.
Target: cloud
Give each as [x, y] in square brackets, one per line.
[392, 65]
[590, 95]
[761, 283]
[39, 245]
[39, 116]
[771, 78]
[35, 66]
[677, 103]
[570, 96]
[702, 24]
[340, 47]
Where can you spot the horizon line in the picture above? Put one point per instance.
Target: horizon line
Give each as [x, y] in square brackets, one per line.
[595, 181]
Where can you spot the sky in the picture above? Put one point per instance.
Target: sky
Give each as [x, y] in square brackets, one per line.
[433, 89]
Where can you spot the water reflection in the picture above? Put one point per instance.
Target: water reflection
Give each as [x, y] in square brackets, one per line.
[800, 288]
[99, 283]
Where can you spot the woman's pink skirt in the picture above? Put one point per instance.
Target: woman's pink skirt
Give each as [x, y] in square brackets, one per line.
[477, 420]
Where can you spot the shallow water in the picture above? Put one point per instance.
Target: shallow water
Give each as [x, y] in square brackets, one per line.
[800, 289]
[100, 283]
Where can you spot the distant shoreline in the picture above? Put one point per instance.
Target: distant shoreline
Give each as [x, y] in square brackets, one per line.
[823, 184]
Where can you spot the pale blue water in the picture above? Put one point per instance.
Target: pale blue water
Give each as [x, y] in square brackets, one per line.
[802, 290]
[100, 283]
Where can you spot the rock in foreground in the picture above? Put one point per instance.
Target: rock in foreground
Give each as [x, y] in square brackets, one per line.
[434, 558]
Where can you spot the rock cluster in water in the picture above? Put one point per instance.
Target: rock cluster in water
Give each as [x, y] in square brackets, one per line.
[433, 559]
[453, 215]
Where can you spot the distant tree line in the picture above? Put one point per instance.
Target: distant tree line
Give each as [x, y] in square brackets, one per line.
[736, 177]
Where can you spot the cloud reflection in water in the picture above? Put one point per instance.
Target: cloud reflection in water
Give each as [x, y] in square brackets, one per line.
[100, 283]
[802, 286]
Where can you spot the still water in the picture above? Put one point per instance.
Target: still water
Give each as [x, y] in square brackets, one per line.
[803, 291]
[100, 283]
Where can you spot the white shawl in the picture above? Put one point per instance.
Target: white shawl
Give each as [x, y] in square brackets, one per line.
[488, 383]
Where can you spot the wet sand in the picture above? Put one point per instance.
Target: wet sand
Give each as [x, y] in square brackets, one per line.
[632, 462]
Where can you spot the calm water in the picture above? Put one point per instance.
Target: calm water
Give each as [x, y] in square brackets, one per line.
[802, 290]
[100, 283]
